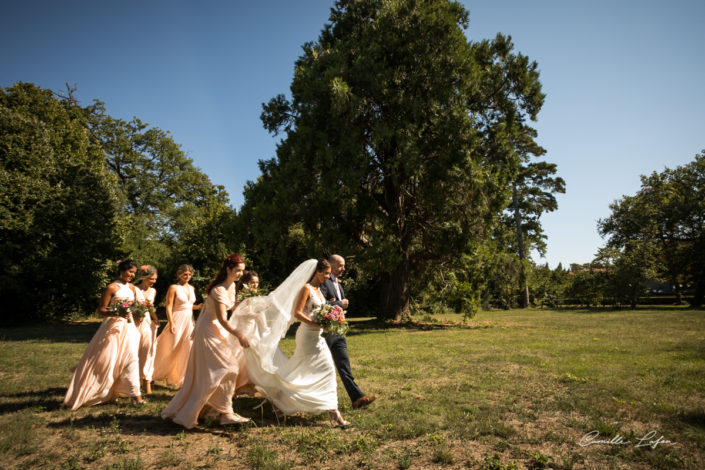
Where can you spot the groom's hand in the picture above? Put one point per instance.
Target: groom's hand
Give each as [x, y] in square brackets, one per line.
[345, 303]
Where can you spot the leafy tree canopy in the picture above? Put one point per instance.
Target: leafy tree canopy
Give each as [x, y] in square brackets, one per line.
[398, 144]
[59, 209]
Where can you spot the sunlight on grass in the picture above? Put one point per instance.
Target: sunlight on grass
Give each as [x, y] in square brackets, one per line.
[504, 390]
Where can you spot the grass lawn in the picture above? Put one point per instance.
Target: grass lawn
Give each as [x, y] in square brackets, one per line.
[516, 389]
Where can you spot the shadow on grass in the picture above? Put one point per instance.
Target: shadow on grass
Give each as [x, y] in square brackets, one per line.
[694, 418]
[375, 325]
[75, 332]
[49, 400]
[130, 423]
[624, 309]
[133, 420]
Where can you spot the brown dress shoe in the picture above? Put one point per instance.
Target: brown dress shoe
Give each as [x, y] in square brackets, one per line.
[363, 401]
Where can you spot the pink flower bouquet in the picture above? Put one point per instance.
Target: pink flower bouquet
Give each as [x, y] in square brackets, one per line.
[332, 318]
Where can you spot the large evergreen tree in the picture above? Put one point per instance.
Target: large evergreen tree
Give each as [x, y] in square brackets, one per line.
[397, 144]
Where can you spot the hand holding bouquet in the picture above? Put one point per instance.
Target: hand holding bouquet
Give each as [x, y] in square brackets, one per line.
[332, 318]
[246, 292]
[122, 308]
[140, 309]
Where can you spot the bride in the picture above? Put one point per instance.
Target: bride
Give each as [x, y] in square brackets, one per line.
[306, 381]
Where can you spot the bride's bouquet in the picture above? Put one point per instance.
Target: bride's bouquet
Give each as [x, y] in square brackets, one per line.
[332, 318]
[140, 309]
[122, 307]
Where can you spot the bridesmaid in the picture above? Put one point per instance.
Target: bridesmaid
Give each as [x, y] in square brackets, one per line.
[110, 366]
[214, 363]
[249, 282]
[174, 343]
[146, 277]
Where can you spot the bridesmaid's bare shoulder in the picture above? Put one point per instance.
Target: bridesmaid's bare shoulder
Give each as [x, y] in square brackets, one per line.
[112, 287]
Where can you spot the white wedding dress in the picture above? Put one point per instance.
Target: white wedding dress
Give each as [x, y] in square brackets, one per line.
[306, 381]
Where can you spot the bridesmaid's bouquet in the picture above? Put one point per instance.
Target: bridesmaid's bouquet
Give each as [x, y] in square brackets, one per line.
[140, 309]
[246, 293]
[122, 307]
[332, 318]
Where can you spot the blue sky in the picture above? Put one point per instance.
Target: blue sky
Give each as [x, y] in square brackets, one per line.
[623, 81]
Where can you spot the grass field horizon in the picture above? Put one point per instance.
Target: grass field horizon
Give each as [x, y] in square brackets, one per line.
[507, 389]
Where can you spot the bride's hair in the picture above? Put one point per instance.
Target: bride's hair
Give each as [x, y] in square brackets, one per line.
[229, 262]
[321, 266]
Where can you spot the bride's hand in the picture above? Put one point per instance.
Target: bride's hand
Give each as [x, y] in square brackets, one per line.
[243, 341]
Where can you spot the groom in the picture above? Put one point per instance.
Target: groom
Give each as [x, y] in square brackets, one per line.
[332, 291]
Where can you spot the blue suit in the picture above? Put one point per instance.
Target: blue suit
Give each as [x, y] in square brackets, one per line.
[338, 345]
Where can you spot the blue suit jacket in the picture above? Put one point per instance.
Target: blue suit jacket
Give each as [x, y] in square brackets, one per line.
[328, 291]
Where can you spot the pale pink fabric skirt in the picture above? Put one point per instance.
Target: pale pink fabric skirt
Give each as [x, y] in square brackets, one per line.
[108, 368]
[212, 376]
[173, 349]
[148, 347]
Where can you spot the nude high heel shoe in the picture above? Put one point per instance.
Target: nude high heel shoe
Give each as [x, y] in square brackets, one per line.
[336, 420]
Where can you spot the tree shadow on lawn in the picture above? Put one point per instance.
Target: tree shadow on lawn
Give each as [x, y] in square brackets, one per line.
[74, 332]
[49, 400]
[134, 421]
[83, 331]
[373, 325]
[694, 418]
[580, 310]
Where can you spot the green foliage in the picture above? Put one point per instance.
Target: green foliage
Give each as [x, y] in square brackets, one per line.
[397, 151]
[662, 228]
[79, 189]
[495, 463]
[59, 211]
[172, 213]
[547, 285]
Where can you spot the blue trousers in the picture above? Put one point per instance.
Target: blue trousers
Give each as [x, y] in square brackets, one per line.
[339, 349]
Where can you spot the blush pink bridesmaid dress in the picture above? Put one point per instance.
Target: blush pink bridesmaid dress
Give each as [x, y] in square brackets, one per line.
[148, 336]
[173, 349]
[109, 367]
[213, 372]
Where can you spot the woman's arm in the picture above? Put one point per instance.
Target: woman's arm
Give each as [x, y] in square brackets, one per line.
[222, 314]
[195, 307]
[170, 295]
[299, 308]
[105, 299]
[153, 314]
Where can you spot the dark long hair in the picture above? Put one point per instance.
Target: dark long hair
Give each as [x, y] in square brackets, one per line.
[322, 265]
[246, 278]
[229, 262]
[125, 265]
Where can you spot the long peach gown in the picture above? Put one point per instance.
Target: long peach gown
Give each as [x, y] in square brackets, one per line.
[172, 349]
[148, 336]
[213, 367]
[110, 366]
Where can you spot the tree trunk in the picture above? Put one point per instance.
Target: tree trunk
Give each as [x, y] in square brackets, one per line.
[699, 296]
[677, 290]
[520, 243]
[394, 302]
